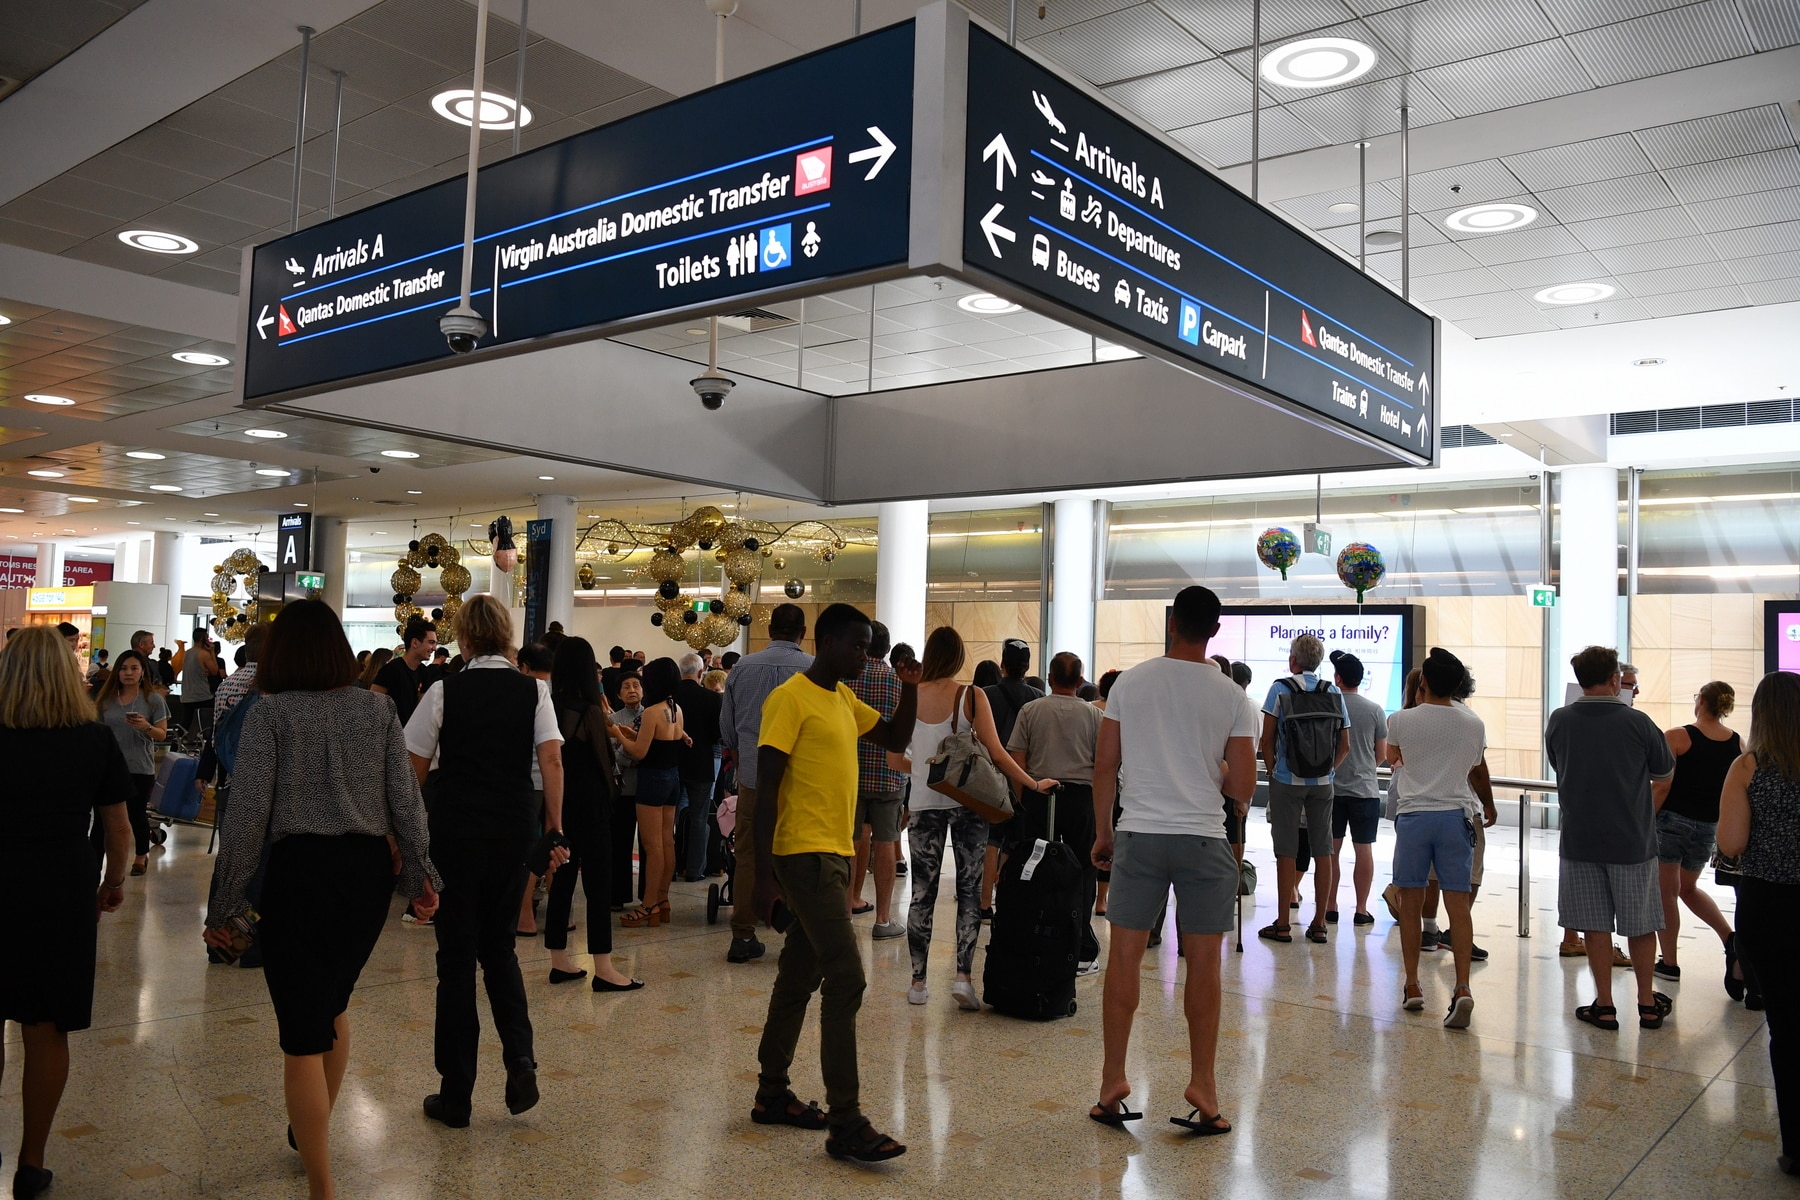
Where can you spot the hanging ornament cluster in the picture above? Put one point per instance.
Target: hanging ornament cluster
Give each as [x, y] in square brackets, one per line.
[1278, 549]
[500, 533]
[1360, 566]
[229, 620]
[431, 552]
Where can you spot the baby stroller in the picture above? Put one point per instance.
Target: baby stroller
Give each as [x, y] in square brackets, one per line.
[719, 895]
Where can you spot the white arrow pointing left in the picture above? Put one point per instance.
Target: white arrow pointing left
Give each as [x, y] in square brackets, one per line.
[263, 322]
[994, 231]
[881, 151]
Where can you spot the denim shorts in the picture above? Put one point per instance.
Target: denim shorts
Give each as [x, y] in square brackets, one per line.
[1443, 841]
[659, 788]
[1684, 840]
[1360, 818]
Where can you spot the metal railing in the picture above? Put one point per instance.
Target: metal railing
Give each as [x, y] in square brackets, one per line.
[1525, 787]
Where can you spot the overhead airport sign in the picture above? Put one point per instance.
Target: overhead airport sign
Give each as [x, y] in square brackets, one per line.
[1067, 199]
[798, 173]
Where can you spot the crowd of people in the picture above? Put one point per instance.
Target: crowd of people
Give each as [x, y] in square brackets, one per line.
[483, 787]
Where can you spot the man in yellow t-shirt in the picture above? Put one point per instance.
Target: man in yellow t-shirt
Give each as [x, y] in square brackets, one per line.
[805, 833]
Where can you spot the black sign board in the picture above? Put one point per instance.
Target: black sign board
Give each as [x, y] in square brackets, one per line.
[1068, 199]
[293, 543]
[797, 173]
[537, 576]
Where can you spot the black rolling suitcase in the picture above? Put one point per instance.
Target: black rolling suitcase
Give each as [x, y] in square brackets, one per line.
[1035, 942]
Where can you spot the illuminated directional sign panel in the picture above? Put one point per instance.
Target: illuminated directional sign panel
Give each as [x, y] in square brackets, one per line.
[1068, 199]
[798, 173]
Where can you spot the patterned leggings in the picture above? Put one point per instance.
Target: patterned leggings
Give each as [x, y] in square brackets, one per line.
[967, 832]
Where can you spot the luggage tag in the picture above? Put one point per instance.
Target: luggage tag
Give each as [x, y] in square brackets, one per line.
[1037, 856]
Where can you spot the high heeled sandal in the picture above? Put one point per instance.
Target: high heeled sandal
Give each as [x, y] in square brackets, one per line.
[640, 918]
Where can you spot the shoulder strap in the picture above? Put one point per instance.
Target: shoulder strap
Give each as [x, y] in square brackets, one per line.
[956, 707]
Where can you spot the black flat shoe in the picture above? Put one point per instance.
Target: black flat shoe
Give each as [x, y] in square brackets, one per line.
[1734, 984]
[30, 1182]
[1331, 918]
[557, 976]
[606, 985]
[437, 1110]
[1364, 919]
[521, 1087]
[292, 1144]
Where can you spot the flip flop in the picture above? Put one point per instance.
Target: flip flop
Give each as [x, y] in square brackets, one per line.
[861, 909]
[1115, 1119]
[1203, 1126]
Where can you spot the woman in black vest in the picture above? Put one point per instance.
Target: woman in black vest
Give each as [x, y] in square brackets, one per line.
[482, 725]
[1688, 820]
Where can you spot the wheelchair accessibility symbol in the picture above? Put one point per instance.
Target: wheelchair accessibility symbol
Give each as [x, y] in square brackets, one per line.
[777, 247]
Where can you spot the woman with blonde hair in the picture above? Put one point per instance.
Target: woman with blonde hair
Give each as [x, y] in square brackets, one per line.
[1759, 820]
[937, 819]
[1687, 818]
[66, 771]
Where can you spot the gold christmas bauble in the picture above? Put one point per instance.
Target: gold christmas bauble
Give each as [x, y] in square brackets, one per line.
[675, 631]
[742, 566]
[406, 581]
[456, 579]
[584, 575]
[696, 636]
[665, 565]
[736, 603]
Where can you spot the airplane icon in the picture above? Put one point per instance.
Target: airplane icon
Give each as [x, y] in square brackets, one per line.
[294, 267]
[1043, 106]
[1043, 180]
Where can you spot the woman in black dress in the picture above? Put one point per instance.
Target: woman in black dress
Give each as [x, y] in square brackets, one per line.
[66, 771]
[588, 799]
[323, 780]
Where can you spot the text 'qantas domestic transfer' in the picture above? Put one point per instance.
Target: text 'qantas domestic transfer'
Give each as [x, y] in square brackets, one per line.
[1068, 199]
[796, 174]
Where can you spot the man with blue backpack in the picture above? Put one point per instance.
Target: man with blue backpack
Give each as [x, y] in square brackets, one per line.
[1305, 735]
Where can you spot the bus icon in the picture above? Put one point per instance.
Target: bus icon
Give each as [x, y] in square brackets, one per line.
[1040, 252]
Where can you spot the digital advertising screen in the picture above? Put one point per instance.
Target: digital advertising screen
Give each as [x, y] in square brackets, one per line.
[1385, 637]
[1781, 635]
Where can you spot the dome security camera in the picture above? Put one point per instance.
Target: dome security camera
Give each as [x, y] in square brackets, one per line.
[462, 328]
[374, 470]
[712, 388]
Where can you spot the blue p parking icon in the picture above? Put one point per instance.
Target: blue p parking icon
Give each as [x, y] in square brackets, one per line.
[1189, 329]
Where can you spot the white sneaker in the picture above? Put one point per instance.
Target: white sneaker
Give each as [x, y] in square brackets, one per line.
[1091, 967]
[918, 994]
[963, 992]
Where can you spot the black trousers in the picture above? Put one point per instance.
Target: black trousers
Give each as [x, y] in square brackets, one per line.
[1766, 941]
[477, 920]
[624, 834]
[589, 830]
[1074, 828]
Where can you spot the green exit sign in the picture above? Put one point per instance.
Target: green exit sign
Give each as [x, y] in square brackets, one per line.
[1318, 540]
[1543, 597]
[311, 580]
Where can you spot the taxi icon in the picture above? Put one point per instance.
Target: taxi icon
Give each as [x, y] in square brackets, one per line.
[1122, 293]
[1040, 252]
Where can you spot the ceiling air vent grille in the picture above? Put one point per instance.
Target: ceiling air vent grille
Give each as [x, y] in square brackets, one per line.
[756, 320]
[1712, 416]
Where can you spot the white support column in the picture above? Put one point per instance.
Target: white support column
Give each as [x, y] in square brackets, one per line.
[1072, 583]
[1587, 606]
[49, 565]
[902, 553]
[124, 562]
[559, 602]
[143, 553]
[331, 557]
[165, 567]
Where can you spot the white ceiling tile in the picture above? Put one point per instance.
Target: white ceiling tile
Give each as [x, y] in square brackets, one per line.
[1571, 15]
[1435, 32]
[1432, 288]
[1739, 212]
[1367, 110]
[1608, 198]
[1780, 291]
[1773, 24]
[1537, 273]
[1490, 304]
[1651, 226]
[1187, 95]
[1647, 256]
[1607, 312]
[1580, 162]
[1486, 327]
[1535, 241]
[1480, 182]
[1766, 267]
[1056, 16]
[1758, 240]
[1704, 300]
[1764, 172]
[1678, 279]
[1519, 76]
[1228, 26]
[1440, 259]
[1728, 135]
[1668, 41]
[1226, 143]
[1121, 45]
[1314, 211]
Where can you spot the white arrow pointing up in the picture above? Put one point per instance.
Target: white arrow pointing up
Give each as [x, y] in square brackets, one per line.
[263, 322]
[994, 231]
[881, 151]
[1001, 153]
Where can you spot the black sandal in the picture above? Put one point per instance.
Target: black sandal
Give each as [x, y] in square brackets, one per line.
[779, 1110]
[1601, 1016]
[1116, 1119]
[1277, 931]
[1650, 1016]
[1316, 933]
[1203, 1126]
[863, 1143]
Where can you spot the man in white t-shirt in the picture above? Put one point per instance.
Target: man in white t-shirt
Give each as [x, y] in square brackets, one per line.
[1181, 732]
[1438, 747]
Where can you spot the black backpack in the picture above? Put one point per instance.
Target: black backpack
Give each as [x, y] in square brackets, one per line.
[1310, 721]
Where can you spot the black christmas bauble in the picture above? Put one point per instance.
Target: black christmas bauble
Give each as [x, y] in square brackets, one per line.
[752, 544]
[716, 607]
[413, 545]
[656, 619]
[744, 620]
[437, 614]
[668, 589]
[706, 543]
[689, 617]
[399, 599]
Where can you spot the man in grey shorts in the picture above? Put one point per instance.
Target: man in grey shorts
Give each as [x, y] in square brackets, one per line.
[1607, 757]
[1180, 729]
[1305, 735]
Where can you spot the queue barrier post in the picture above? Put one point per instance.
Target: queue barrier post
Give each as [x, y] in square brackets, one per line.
[1524, 864]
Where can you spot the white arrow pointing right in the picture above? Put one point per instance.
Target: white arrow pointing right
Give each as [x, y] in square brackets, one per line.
[881, 151]
[263, 322]
[994, 231]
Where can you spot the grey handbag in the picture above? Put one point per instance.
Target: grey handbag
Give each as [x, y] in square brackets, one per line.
[963, 770]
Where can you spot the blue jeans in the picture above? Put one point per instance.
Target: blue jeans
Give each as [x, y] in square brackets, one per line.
[691, 816]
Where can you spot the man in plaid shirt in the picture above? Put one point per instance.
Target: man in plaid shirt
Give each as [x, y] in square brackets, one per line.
[880, 792]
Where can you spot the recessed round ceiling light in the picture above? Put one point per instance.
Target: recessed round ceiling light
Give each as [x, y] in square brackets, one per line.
[134, 522]
[273, 472]
[200, 358]
[1491, 218]
[1383, 238]
[1342, 206]
[414, 492]
[696, 333]
[270, 434]
[11, 510]
[146, 455]
[55, 401]
[458, 105]
[1648, 362]
[301, 504]
[1574, 293]
[5, 320]
[82, 500]
[986, 304]
[165, 487]
[1318, 62]
[399, 454]
[46, 474]
[209, 514]
[547, 478]
[158, 242]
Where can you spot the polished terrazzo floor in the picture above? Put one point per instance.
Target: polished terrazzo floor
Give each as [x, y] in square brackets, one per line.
[1335, 1092]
